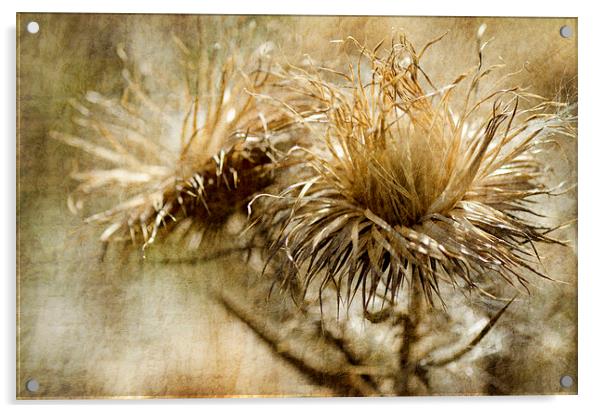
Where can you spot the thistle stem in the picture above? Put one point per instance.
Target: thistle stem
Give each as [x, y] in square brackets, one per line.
[409, 321]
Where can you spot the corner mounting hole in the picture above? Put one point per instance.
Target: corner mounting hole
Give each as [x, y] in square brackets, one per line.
[32, 385]
[566, 381]
[566, 31]
[33, 27]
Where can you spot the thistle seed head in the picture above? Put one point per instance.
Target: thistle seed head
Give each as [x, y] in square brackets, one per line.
[414, 182]
[226, 141]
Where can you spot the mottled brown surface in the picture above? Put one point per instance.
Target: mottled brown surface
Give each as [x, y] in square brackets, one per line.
[128, 328]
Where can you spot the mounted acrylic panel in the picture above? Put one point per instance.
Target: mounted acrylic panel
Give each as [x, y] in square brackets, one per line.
[224, 206]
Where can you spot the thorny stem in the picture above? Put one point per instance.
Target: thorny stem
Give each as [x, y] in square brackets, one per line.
[409, 322]
[346, 381]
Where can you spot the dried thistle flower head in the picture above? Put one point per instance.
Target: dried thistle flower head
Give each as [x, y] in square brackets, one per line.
[189, 153]
[415, 182]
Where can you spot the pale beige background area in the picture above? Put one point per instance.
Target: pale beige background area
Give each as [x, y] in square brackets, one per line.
[127, 328]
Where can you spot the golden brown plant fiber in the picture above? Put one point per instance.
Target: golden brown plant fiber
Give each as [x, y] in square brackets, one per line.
[229, 141]
[416, 183]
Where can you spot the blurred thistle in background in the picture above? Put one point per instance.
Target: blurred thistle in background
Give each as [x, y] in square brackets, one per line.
[279, 186]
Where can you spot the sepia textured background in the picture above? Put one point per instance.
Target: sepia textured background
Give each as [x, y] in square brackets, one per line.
[127, 327]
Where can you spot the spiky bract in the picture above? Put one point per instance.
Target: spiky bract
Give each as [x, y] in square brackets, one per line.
[192, 151]
[414, 182]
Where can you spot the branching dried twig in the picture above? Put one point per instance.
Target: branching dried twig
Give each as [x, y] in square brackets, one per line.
[342, 378]
[429, 363]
